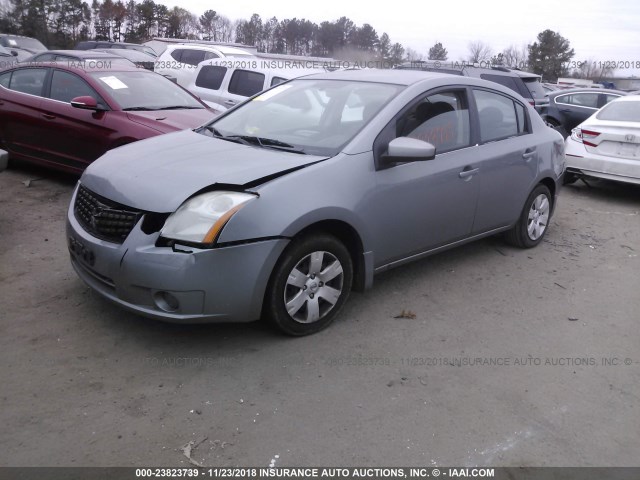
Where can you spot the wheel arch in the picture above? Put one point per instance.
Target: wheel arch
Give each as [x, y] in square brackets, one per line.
[351, 239]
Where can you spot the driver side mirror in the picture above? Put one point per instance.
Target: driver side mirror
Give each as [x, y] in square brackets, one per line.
[14, 53]
[86, 103]
[405, 149]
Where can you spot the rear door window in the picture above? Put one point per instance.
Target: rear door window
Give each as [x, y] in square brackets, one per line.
[211, 76]
[246, 83]
[589, 100]
[29, 80]
[192, 57]
[497, 115]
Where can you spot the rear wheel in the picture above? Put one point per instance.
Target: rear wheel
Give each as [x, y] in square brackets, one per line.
[309, 285]
[534, 219]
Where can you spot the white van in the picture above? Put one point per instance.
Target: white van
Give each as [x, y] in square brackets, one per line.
[181, 60]
[230, 81]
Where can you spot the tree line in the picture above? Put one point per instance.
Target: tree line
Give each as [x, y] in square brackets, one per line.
[63, 23]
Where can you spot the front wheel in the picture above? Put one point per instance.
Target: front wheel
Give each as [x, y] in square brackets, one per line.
[309, 285]
[534, 219]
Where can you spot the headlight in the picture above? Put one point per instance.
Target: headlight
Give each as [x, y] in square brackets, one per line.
[200, 219]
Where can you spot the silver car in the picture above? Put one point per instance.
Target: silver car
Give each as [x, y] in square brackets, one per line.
[284, 204]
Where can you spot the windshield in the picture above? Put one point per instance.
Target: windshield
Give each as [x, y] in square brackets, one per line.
[620, 112]
[22, 42]
[144, 90]
[313, 116]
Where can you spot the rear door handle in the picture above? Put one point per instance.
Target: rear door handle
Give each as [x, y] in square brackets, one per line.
[529, 153]
[48, 116]
[468, 173]
[229, 102]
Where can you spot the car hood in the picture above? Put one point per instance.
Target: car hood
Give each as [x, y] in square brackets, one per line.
[166, 121]
[159, 173]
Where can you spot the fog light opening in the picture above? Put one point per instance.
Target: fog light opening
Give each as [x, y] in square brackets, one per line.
[166, 301]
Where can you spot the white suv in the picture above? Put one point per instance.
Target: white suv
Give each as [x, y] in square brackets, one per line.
[181, 60]
[227, 82]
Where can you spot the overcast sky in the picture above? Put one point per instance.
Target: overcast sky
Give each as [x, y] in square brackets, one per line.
[604, 31]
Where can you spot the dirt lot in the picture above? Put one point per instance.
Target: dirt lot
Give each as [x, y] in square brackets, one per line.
[513, 358]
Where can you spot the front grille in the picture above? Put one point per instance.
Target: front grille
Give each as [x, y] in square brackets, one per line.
[104, 218]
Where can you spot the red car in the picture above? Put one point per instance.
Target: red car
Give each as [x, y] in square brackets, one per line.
[66, 115]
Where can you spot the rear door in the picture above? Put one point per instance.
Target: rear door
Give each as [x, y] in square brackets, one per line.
[208, 82]
[187, 63]
[73, 137]
[242, 85]
[577, 107]
[22, 124]
[507, 157]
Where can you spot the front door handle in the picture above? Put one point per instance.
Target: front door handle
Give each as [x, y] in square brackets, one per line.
[468, 173]
[229, 102]
[48, 116]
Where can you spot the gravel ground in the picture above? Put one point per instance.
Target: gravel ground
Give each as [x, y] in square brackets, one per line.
[506, 357]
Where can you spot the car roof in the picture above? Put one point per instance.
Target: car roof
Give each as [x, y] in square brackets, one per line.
[627, 98]
[84, 68]
[92, 54]
[585, 90]
[262, 66]
[218, 48]
[396, 77]
[523, 74]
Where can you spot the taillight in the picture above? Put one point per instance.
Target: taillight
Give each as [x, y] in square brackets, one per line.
[584, 136]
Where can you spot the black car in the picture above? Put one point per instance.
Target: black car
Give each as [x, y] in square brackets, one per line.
[569, 108]
[93, 44]
[516, 80]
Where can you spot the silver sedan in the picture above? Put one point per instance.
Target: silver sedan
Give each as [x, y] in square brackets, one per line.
[283, 205]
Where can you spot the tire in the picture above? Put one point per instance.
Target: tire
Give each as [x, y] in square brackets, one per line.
[309, 285]
[534, 219]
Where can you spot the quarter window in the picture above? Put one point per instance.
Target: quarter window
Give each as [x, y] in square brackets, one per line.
[246, 83]
[497, 115]
[29, 80]
[277, 80]
[608, 97]
[210, 76]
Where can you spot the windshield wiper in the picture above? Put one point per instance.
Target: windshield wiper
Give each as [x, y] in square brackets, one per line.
[179, 107]
[269, 143]
[137, 109]
[256, 141]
